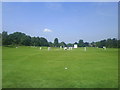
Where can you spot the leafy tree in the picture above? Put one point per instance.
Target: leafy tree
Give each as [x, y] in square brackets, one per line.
[118, 43]
[63, 44]
[93, 44]
[86, 44]
[26, 40]
[114, 43]
[51, 44]
[101, 43]
[15, 38]
[33, 41]
[69, 45]
[76, 43]
[44, 42]
[18, 38]
[5, 38]
[110, 43]
[56, 43]
[80, 43]
[97, 44]
[37, 41]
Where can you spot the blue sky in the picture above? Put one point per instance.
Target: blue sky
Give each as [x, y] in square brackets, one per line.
[68, 21]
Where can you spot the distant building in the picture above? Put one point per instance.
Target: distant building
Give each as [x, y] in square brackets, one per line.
[75, 46]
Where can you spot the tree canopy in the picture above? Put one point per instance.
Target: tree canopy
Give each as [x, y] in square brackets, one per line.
[18, 38]
[80, 43]
[56, 43]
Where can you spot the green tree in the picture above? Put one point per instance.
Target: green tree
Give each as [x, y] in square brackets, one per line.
[33, 41]
[56, 43]
[5, 40]
[101, 43]
[69, 45]
[114, 43]
[15, 38]
[109, 43]
[86, 44]
[44, 42]
[93, 44]
[118, 43]
[51, 44]
[63, 44]
[25, 40]
[76, 43]
[80, 43]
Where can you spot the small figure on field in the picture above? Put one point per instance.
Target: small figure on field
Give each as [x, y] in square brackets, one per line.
[40, 48]
[60, 47]
[65, 48]
[85, 49]
[48, 48]
[104, 47]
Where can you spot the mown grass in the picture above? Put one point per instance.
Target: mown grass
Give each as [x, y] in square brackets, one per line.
[28, 67]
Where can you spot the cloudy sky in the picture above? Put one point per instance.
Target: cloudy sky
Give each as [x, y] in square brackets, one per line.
[68, 21]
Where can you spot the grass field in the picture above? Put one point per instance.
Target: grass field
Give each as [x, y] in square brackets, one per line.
[27, 67]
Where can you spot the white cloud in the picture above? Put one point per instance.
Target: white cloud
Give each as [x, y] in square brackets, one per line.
[47, 30]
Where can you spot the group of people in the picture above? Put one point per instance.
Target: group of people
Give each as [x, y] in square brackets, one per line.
[69, 48]
[65, 48]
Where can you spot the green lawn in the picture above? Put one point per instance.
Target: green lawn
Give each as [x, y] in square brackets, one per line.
[27, 67]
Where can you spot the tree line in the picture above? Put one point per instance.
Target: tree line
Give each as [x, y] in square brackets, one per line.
[18, 38]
